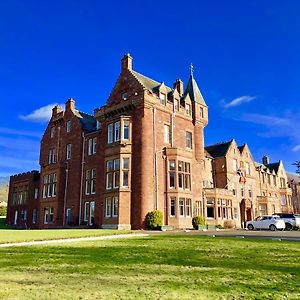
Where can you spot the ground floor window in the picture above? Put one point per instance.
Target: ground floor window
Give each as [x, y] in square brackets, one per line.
[46, 215]
[185, 207]
[68, 216]
[92, 213]
[86, 212]
[34, 216]
[236, 213]
[23, 214]
[198, 208]
[111, 207]
[173, 207]
[224, 209]
[51, 215]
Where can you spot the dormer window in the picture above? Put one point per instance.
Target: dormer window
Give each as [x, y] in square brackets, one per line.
[188, 109]
[98, 125]
[69, 126]
[125, 96]
[162, 98]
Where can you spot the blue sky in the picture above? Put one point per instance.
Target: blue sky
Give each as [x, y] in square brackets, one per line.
[246, 57]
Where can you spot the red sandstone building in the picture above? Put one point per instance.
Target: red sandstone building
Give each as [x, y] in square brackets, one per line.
[143, 150]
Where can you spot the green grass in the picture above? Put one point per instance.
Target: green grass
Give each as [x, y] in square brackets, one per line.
[14, 235]
[155, 267]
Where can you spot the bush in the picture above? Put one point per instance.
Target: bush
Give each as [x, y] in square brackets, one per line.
[229, 224]
[198, 220]
[3, 210]
[154, 219]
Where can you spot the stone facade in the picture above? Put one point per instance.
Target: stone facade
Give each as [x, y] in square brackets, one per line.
[294, 184]
[142, 151]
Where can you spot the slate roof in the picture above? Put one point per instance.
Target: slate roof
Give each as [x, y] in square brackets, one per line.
[218, 150]
[241, 148]
[87, 121]
[193, 90]
[295, 178]
[149, 83]
[273, 166]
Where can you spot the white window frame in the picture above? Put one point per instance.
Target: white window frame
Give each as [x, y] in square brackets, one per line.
[125, 170]
[107, 207]
[110, 133]
[189, 140]
[126, 127]
[85, 213]
[117, 131]
[167, 134]
[92, 213]
[69, 126]
[115, 206]
[69, 151]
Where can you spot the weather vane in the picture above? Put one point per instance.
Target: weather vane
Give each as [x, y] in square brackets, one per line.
[192, 69]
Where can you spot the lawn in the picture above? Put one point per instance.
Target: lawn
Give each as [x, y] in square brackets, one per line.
[14, 235]
[154, 267]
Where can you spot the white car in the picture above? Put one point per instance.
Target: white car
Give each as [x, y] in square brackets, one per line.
[266, 222]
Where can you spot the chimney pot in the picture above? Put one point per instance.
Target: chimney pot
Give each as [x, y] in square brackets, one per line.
[70, 104]
[266, 160]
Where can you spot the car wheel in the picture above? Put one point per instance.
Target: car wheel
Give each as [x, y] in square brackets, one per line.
[288, 226]
[273, 227]
[250, 227]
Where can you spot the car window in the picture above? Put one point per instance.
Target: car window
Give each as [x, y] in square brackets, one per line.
[258, 219]
[264, 218]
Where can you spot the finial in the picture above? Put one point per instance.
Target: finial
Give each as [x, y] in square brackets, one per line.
[191, 69]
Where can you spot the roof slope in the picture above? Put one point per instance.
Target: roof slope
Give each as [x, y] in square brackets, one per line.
[218, 150]
[295, 178]
[193, 91]
[273, 166]
[87, 121]
[148, 83]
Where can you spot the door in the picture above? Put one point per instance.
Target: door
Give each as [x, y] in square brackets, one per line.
[16, 218]
[68, 215]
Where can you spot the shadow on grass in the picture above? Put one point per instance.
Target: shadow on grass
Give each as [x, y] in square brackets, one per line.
[218, 264]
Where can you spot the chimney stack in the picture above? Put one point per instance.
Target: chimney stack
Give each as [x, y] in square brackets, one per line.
[178, 85]
[126, 62]
[266, 160]
[56, 110]
[70, 104]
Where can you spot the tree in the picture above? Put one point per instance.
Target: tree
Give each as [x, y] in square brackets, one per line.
[297, 164]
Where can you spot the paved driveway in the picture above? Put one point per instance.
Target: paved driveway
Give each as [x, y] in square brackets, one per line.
[258, 234]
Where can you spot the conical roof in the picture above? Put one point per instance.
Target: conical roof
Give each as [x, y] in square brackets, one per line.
[193, 90]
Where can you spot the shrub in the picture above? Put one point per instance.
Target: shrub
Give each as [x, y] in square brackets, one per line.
[154, 219]
[219, 226]
[229, 224]
[3, 210]
[198, 220]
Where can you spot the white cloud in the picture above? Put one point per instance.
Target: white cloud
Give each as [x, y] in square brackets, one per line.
[238, 101]
[296, 148]
[270, 121]
[42, 114]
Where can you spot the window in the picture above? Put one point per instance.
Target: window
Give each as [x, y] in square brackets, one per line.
[98, 125]
[90, 179]
[201, 112]
[167, 134]
[124, 96]
[92, 213]
[262, 209]
[234, 189]
[180, 174]
[36, 193]
[109, 174]
[34, 216]
[15, 196]
[283, 200]
[235, 165]
[86, 212]
[187, 176]
[188, 139]
[235, 213]
[126, 130]
[110, 133]
[247, 168]
[107, 207]
[52, 132]
[181, 207]
[52, 156]
[125, 173]
[172, 174]
[49, 185]
[162, 98]
[51, 215]
[116, 177]
[69, 126]
[23, 214]
[117, 131]
[188, 109]
[46, 215]
[92, 146]
[115, 206]
[274, 180]
[173, 207]
[69, 148]
[250, 191]
[176, 105]
[188, 207]
[198, 208]
[242, 191]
